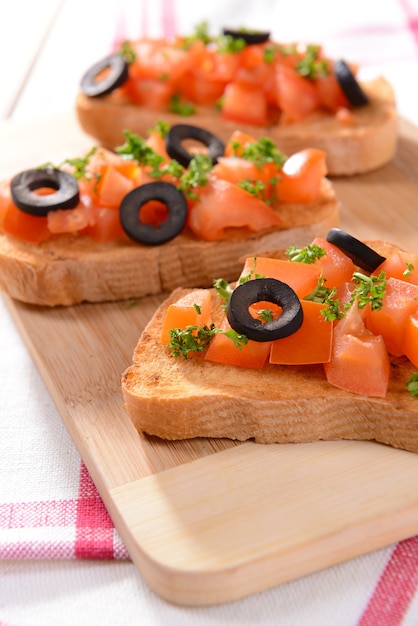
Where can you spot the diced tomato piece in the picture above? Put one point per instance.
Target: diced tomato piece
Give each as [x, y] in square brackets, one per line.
[225, 65]
[193, 309]
[113, 187]
[223, 206]
[301, 176]
[18, 223]
[23, 225]
[296, 96]
[156, 142]
[247, 105]
[410, 339]
[302, 277]
[237, 143]
[399, 302]
[159, 60]
[237, 169]
[331, 95]
[70, 220]
[253, 354]
[311, 343]
[106, 226]
[359, 360]
[401, 265]
[335, 266]
[202, 88]
[152, 93]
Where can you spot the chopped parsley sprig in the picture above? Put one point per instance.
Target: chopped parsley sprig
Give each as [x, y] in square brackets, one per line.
[260, 152]
[194, 339]
[224, 289]
[369, 290]
[309, 254]
[412, 384]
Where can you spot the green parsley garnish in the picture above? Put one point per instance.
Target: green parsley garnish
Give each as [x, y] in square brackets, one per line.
[412, 384]
[409, 269]
[196, 174]
[254, 187]
[269, 54]
[265, 315]
[230, 45]
[197, 339]
[127, 52]
[261, 152]
[369, 290]
[136, 148]
[180, 108]
[309, 254]
[311, 66]
[224, 289]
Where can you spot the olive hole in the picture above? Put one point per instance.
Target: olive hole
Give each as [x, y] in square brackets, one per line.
[153, 213]
[265, 311]
[44, 186]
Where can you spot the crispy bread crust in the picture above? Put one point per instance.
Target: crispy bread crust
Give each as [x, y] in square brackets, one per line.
[70, 269]
[351, 149]
[179, 399]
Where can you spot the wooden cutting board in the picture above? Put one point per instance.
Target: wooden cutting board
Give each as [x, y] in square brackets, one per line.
[209, 521]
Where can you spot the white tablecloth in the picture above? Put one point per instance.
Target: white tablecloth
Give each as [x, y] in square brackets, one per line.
[51, 516]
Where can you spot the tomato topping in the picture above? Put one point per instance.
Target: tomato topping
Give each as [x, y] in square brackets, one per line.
[223, 206]
[193, 309]
[335, 266]
[401, 265]
[253, 354]
[237, 195]
[399, 302]
[310, 344]
[302, 277]
[296, 96]
[301, 176]
[244, 104]
[359, 360]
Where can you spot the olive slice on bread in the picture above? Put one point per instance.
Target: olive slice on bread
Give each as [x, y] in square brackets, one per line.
[61, 187]
[250, 37]
[180, 133]
[163, 192]
[104, 76]
[360, 253]
[349, 85]
[260, 290]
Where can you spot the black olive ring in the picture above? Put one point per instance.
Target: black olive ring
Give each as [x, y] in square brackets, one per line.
[166, 193]
[360, 253]
[250, 37]
[23, 188]
[348, 83]
[180, 132]
[115, 77]
[270, 290]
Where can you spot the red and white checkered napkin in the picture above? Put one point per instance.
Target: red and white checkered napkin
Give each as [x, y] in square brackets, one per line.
[49, 506]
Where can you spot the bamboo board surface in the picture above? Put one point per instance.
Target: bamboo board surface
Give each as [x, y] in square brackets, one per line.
[209, 521]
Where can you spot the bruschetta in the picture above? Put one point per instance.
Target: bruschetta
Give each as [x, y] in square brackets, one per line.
[309, 344]
[155, 214]
[293, 93]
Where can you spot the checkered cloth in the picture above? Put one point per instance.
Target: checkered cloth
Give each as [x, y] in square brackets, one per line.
[49, 506]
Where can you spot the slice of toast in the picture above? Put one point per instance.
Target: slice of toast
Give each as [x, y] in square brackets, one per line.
[367, 144]
[173, 398]
[69, 269]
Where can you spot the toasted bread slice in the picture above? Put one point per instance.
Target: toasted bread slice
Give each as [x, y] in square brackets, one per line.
[68, 269]
[179, 399]
[366, 144]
